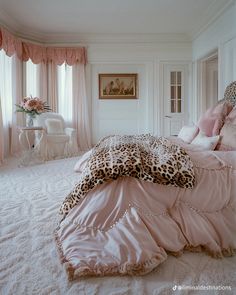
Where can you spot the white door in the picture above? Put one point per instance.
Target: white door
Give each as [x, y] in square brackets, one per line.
[175, 98]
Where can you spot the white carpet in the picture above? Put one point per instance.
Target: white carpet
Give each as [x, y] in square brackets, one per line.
[29, 203]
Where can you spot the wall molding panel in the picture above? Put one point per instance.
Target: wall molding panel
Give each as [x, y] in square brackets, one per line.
[143, 115]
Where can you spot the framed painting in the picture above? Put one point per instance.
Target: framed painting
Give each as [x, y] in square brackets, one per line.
[118, 86]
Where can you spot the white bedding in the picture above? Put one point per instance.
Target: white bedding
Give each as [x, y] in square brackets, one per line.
[29, 202]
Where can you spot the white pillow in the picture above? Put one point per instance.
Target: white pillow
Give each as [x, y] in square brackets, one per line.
[54, 126]
[188, 133]
[205, 142]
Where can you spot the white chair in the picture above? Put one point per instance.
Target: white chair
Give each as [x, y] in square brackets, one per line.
[58, 141]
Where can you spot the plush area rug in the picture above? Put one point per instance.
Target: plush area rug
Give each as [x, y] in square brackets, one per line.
[30, 198]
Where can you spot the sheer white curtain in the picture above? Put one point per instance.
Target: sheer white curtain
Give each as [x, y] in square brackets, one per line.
[42, 82]
[6, 101]
[73, 103]
[52, 90]
[32, 79]
[17, 94]
[65, 92]
[81, 118]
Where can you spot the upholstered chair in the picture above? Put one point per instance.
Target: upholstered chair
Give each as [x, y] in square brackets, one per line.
[58, 141]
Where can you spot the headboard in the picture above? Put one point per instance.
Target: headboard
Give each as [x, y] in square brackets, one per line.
[230, 93]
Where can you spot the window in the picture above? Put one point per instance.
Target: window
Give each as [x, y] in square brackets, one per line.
[65, 91]
[31, 79]
[176, 91]
[6, 87]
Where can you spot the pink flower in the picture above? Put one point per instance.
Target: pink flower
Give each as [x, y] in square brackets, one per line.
[33, 105]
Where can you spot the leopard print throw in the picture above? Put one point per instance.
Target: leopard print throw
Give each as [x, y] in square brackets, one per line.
[145, 157]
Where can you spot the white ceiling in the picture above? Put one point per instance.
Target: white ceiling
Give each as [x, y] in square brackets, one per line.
[55, 20]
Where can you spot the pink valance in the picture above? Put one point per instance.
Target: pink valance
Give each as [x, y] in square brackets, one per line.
[39, 54]
[69, 55]
[10, 43]
[35, 52]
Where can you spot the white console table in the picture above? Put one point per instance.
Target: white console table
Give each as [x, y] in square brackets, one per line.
[30, 152]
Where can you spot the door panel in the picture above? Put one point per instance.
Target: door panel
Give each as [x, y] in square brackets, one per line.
[175, 98]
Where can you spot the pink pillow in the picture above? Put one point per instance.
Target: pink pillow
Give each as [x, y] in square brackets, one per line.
[231, 118]
[228, 138]
[212, 120]
[222, 108]
[188, 133]
[210, 125]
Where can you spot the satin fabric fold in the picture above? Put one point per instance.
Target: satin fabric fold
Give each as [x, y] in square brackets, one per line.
[128, 226]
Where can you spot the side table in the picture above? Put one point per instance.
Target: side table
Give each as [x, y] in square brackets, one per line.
[30, 151]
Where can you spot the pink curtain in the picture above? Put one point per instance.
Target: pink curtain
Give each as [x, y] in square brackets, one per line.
[10, 44]
[48, 58]
[81, 118]
[70, 56]
[35, 52]
[40, 54]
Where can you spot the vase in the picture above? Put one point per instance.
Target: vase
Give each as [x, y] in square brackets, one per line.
[29, 120]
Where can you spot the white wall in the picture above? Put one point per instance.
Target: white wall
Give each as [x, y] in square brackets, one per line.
[220, 35]
[146, 113]
[131, 116]
[228, 62]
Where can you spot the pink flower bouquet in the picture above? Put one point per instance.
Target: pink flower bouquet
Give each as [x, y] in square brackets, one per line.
[32, 106]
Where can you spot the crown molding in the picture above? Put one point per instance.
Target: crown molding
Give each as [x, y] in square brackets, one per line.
[218, 11]
[116, 38]
[97, 39]
[77, 38]
[14, 27]
[7, 22]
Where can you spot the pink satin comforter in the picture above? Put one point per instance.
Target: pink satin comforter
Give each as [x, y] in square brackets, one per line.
[128, 226]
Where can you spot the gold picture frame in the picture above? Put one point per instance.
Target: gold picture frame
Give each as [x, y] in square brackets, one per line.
[118, 86]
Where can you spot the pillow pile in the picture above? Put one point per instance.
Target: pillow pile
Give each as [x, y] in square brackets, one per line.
[211, 122]
[216, 129]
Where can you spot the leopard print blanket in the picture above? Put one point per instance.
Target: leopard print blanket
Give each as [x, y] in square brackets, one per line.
[145, 157]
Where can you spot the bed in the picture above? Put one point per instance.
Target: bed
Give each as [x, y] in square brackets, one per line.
[127, 225]
[140, 198]
[30, 198]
